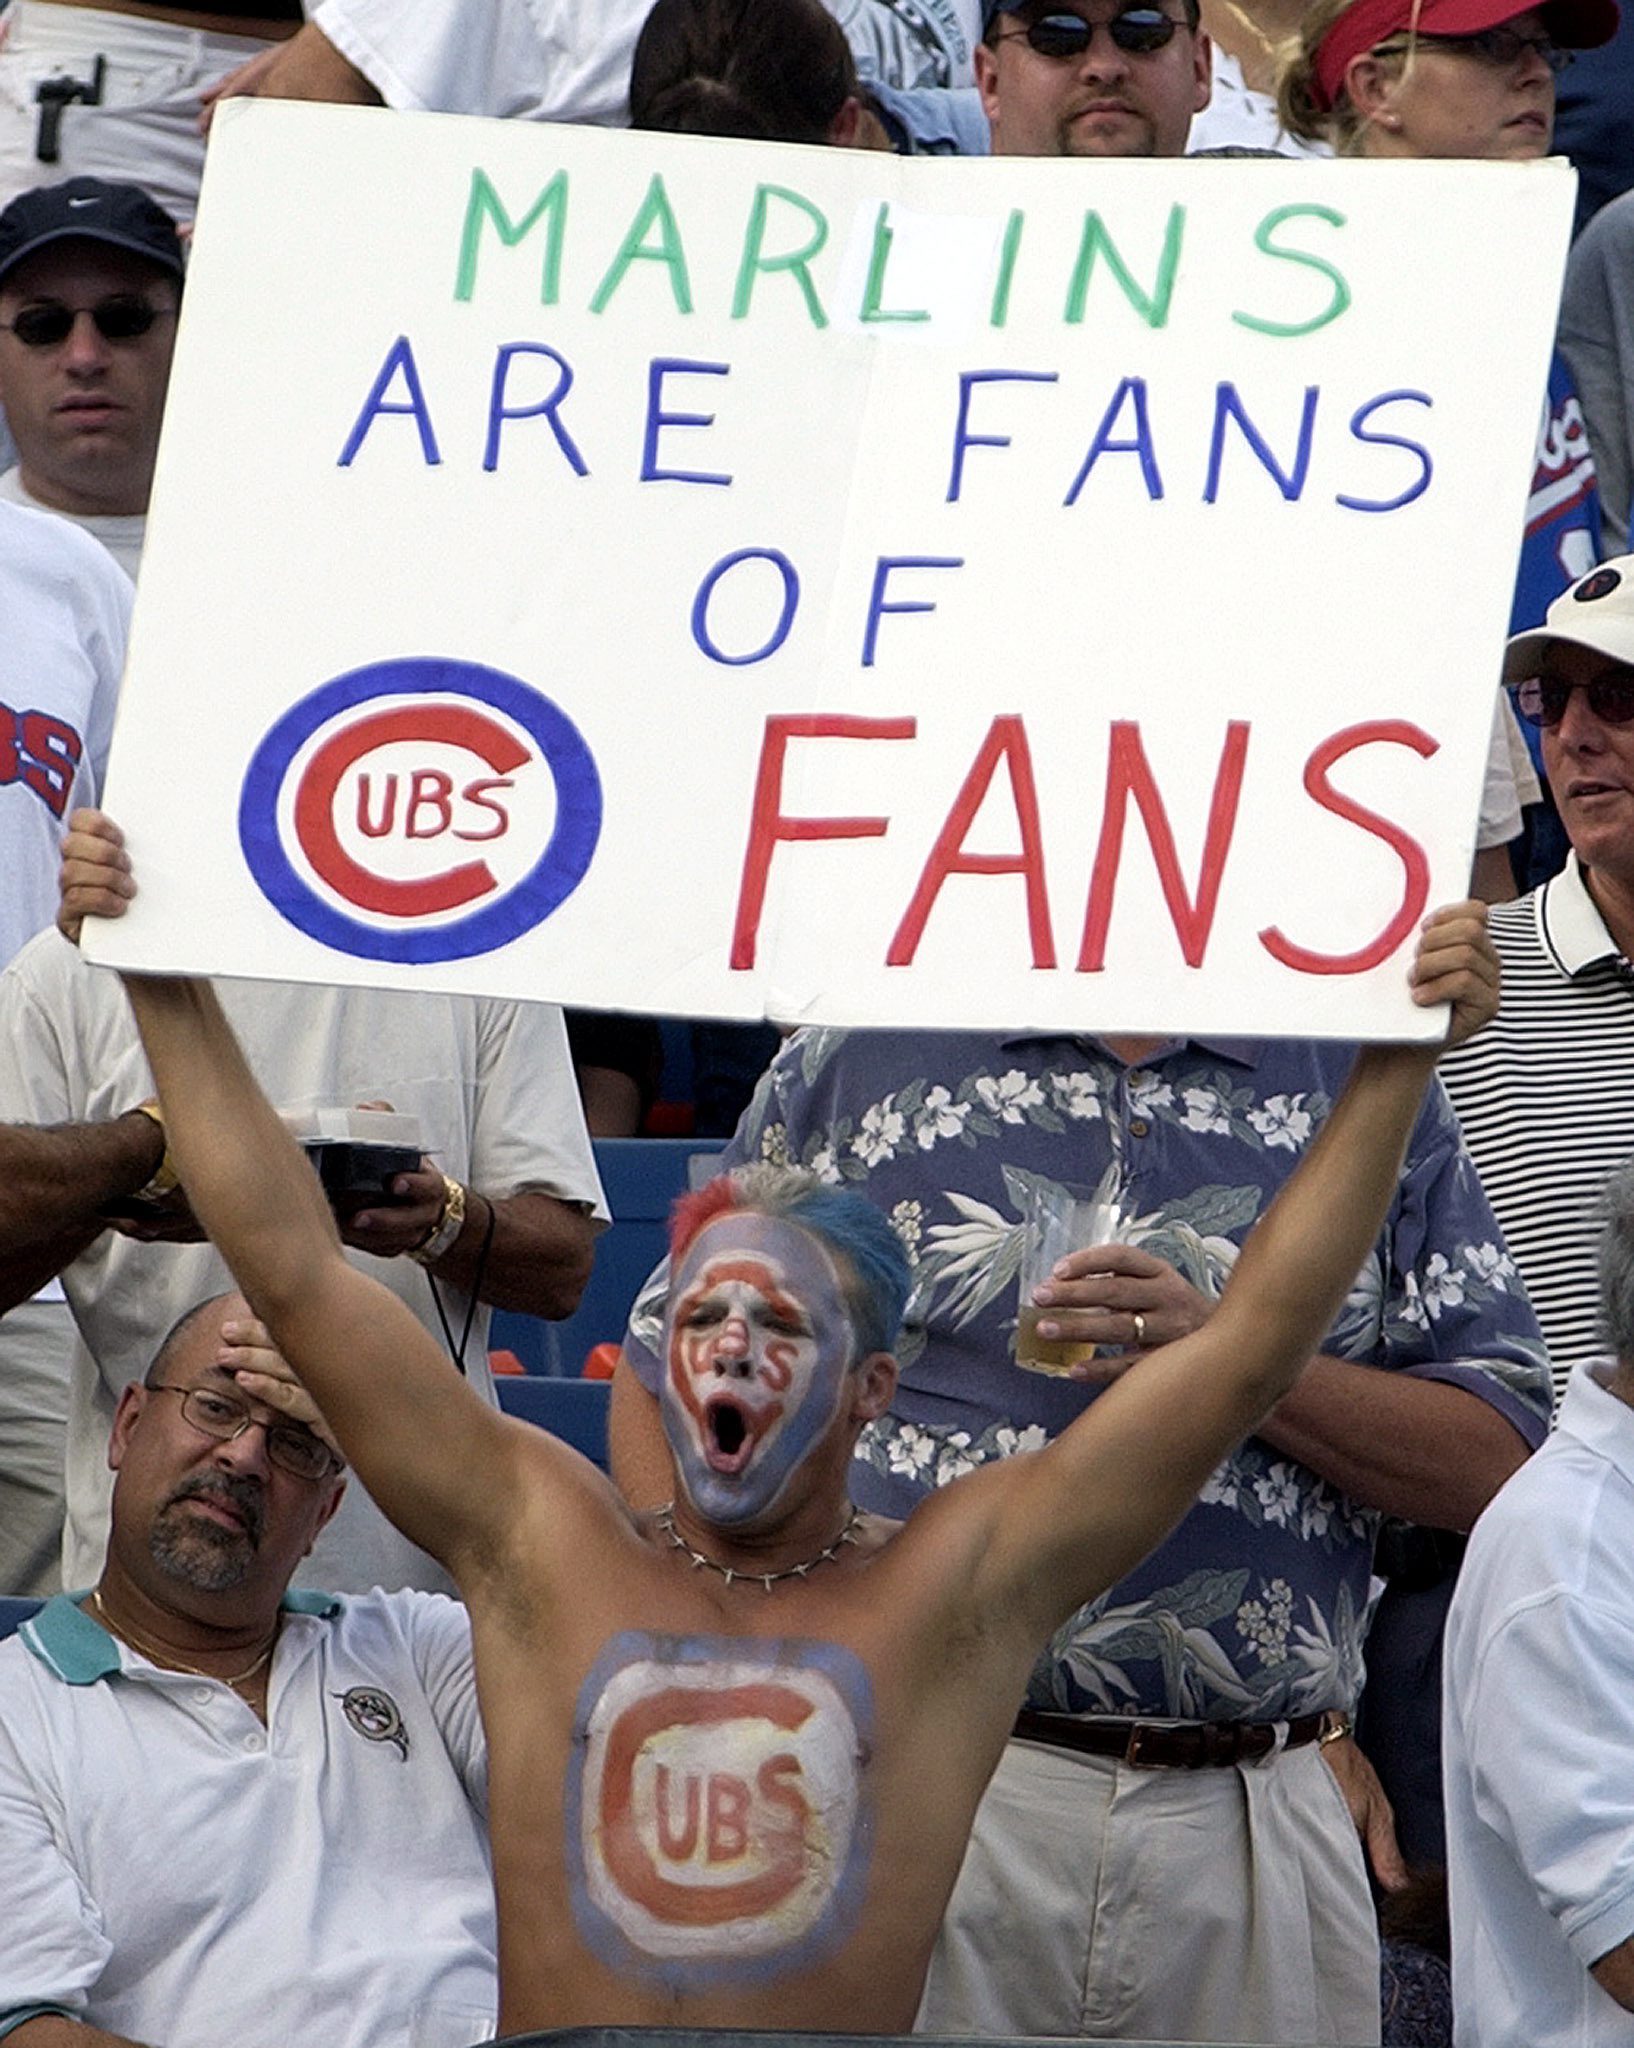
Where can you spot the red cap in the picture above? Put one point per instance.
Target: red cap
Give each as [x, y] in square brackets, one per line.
[1573, 24]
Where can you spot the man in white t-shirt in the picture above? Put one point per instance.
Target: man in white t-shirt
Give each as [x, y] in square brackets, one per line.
[502, 1210]
[90, 287]
[229, 1813]
[558, 60]
[64, 613]
[1539, 1719]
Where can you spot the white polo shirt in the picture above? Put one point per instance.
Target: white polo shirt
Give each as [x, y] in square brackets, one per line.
[1538, 1738]
[173, 1871]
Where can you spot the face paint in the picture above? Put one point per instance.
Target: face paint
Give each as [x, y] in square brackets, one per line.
[716, 1824]
[758, 1341]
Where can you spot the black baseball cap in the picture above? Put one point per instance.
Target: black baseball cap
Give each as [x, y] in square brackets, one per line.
[89, 210]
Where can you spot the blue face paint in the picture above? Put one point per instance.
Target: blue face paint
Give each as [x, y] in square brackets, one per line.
[757, 1343]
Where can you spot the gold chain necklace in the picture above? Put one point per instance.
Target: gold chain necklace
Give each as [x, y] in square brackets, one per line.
[164, 1657]
[666, 1521]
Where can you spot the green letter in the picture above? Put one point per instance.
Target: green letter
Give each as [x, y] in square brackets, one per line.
[485, 204]
[878, 257]
[1262, 242]
[1008, 252]
[1153, 308]
[754, 237]
[653, 210]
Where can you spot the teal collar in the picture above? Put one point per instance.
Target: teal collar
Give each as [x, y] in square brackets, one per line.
[79, 1651]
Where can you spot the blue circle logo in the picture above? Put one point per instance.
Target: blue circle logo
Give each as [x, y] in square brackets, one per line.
[420, 810]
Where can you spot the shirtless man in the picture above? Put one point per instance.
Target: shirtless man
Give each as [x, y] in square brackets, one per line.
[735, 1747]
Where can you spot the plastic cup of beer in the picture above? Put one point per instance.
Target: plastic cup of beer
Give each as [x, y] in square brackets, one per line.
[1058, 1219]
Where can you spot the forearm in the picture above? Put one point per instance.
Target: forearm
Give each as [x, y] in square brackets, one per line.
[248, 1183]
[55, 1182]
[536, 1260]
[1425, 1450]
[1308, 1247]
[309, 67]
[51, 2030]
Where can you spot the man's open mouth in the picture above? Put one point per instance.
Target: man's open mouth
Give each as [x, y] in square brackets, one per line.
[729, 1434]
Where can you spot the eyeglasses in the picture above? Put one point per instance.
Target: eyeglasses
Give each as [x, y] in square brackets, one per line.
[1137, 31]
[1501, 48]
[1542, 701]
[225, 1417]
[123, 317]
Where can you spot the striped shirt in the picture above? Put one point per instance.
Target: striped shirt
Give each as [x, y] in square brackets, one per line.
[1546, 1097]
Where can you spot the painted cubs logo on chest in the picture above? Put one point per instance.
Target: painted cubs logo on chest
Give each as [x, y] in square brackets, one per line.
[716, 1795]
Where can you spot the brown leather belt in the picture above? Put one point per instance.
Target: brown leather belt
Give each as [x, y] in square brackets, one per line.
[1191, 1746]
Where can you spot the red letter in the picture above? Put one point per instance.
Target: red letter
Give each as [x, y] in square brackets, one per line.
[477, 793]
[676, 1843]
[1396, 732]
[429, 790]
[1006, 740]
[767, 824]
[728, 1817]
[1127, 769]
[388, 810]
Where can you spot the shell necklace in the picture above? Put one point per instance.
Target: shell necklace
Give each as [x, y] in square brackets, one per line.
[666, 1521]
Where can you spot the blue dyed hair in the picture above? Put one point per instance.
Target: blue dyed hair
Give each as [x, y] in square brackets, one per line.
[872, 1259]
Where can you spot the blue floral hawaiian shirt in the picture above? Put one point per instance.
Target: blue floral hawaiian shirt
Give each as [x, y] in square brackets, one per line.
[1255, 1607]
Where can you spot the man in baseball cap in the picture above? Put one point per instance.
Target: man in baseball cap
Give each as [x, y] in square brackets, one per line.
[1546, 1093]
[1092, 78]
[90, 286]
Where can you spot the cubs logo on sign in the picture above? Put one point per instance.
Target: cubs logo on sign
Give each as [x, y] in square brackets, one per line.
[420, 810]
[716, 1825]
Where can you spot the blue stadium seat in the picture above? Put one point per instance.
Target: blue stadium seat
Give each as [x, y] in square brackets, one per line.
[13, 1613]
[574, 1410]
[642, 1177]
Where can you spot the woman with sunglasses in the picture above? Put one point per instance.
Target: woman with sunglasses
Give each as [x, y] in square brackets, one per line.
[1441, 78]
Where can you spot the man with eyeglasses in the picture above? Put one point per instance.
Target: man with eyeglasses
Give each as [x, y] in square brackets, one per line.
[1546, 1093]
[1092, 77]
[229, 1812]
[90, 287]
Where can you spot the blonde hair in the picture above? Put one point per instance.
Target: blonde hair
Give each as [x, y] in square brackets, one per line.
[1299, 102]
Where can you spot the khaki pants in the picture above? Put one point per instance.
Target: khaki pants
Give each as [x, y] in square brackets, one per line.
[1165, 1905]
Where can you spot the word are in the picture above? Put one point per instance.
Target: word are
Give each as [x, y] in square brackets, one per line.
[531, 382]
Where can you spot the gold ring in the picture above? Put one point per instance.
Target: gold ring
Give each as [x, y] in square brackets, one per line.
[1140, 1327]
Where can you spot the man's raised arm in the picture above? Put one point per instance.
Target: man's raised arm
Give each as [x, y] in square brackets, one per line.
[1094, 1502]
[413, 1428]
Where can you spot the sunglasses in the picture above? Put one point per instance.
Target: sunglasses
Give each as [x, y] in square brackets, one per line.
[1501, 48]
[1137, 31]
[123, 317]
[1541, 701]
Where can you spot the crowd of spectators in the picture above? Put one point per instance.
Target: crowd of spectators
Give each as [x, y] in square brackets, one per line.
[1203, 1817]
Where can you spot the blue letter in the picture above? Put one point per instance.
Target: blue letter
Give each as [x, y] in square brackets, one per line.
[1358, 426]
[658, 419]
[398, 357]
[877, 607]
[962, 440]
[498, 413]
[1227, 405]
[1141, 445]
[706, 590]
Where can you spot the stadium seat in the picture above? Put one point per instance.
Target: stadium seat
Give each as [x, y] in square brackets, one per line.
[574, 1410]
[13, 1613]
[642, 1177]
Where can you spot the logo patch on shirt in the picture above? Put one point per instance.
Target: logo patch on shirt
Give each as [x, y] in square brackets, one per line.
[716, 1806]
[374, 1714]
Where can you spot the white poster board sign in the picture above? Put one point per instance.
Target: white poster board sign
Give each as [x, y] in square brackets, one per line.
[692, 577]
